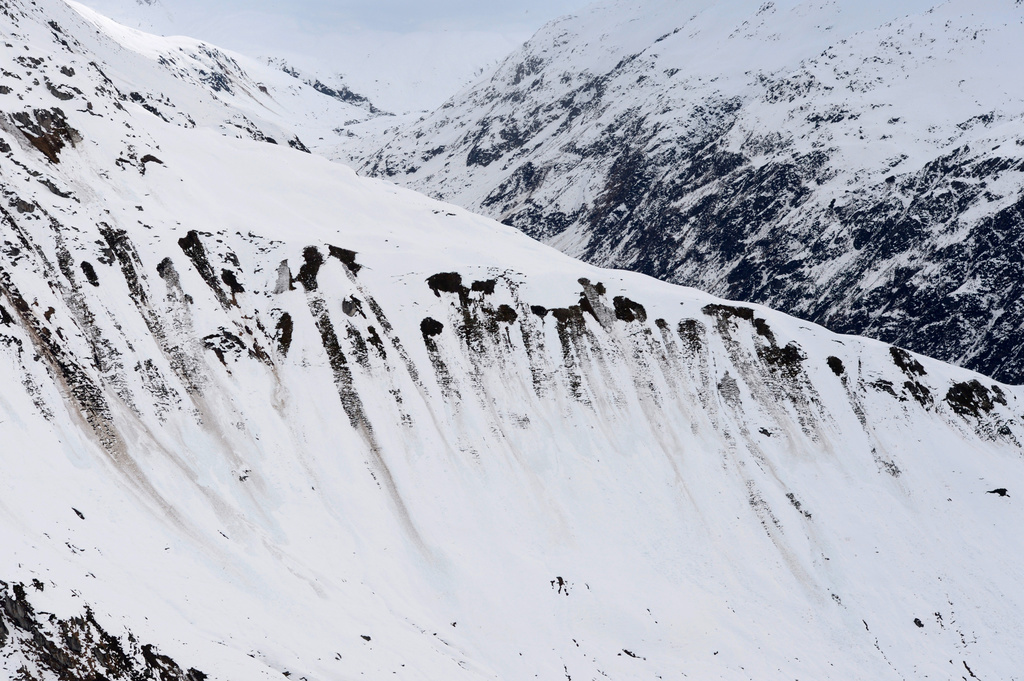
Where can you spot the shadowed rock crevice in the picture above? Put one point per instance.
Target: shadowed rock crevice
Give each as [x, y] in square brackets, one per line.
[448, 282]
[128, 259]
[572, 330]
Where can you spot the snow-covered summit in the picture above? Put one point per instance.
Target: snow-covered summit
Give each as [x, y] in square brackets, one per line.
[262, 417]
[859, 164]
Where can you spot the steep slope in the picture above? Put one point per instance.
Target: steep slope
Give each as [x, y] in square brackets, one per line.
[242, 97]
[864, 175]
[261, 416]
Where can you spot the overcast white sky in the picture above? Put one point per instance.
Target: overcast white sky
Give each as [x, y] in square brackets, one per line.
[475, 13]
[407, 15]
[411, 14]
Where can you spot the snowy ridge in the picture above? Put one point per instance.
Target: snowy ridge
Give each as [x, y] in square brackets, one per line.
[859, 164]
[242, 97]
[263, 416]
[402, 72]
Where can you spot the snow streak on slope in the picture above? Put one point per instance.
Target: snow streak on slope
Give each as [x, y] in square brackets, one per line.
[263, 416]
[865, 175]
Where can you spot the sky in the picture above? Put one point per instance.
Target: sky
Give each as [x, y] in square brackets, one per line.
[379, 15]
[406, 15]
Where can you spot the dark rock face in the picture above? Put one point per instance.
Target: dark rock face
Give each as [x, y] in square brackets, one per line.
[339, 91]
[347, 257]
[431, 327]
[313, 260]
[47, 130]
[77, 648]
[192, 245]
[812, 186]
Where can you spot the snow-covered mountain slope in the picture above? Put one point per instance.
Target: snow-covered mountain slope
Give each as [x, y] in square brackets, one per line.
[261, 417]
[242, 97]
[400, 71]
[294, 94]
[858, 164]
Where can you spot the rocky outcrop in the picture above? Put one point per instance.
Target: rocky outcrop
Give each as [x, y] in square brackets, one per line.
[76, 648]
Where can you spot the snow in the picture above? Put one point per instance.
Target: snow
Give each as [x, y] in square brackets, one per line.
[634, 134]
[400, 71]
[931, 70]
[409, 513]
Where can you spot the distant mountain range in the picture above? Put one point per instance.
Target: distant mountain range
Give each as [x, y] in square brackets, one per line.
[857, 164]
[400, 72]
